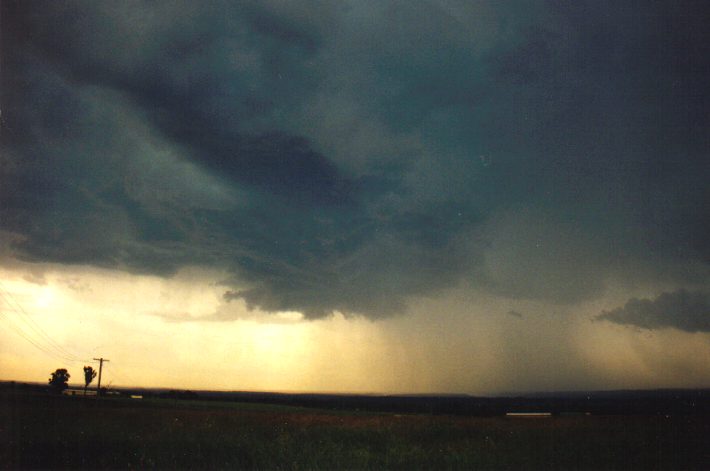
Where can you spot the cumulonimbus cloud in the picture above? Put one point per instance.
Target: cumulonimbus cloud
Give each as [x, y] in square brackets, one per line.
[329, 158]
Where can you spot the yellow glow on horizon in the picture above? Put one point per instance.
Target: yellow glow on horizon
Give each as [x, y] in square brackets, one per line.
[180, 333]
[172, 333]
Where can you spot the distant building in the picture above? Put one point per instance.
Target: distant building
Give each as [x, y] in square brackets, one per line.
[529, 415]
[79, 392]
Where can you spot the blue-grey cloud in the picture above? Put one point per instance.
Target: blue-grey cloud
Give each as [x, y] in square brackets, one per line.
[328, 155]
[684, 310]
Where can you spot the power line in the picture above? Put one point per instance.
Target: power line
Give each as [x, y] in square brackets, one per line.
[23, 334]
[40, 340]
[35, 335]
[113, 371]
[32, 324]
[37, 343]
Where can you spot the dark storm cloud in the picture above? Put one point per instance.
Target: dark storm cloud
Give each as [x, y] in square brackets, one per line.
[683, 310]
[345, 156]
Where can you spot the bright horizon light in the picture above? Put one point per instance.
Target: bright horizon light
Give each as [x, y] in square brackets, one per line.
[150, 344]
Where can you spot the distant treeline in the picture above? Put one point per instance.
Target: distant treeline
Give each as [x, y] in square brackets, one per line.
[596, 403]
[641, 402]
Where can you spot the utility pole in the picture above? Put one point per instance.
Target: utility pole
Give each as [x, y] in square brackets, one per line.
[101, 366]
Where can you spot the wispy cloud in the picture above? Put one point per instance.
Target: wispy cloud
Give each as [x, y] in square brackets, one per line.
[683, 310]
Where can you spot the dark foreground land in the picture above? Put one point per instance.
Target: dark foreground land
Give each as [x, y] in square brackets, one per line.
[38, 430]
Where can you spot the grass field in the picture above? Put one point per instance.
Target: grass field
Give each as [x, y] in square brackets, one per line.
[63, 432]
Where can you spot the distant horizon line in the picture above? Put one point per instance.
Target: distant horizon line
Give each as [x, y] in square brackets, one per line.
[382, 394]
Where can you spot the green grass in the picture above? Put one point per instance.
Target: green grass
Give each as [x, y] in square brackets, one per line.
[118, 433]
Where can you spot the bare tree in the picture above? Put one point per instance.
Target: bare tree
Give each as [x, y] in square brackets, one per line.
[89, 375]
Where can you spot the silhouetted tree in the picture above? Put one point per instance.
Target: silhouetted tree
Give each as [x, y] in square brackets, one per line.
[58, 380]
[89, 375]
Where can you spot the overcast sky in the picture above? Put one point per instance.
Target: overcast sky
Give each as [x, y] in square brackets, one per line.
[414, 196]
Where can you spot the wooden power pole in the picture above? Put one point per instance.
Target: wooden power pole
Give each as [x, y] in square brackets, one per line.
[101, 366]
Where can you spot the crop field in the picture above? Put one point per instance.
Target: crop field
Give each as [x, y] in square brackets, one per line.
[39, 431]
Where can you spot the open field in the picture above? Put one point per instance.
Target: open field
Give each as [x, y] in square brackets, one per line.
[41, 431]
